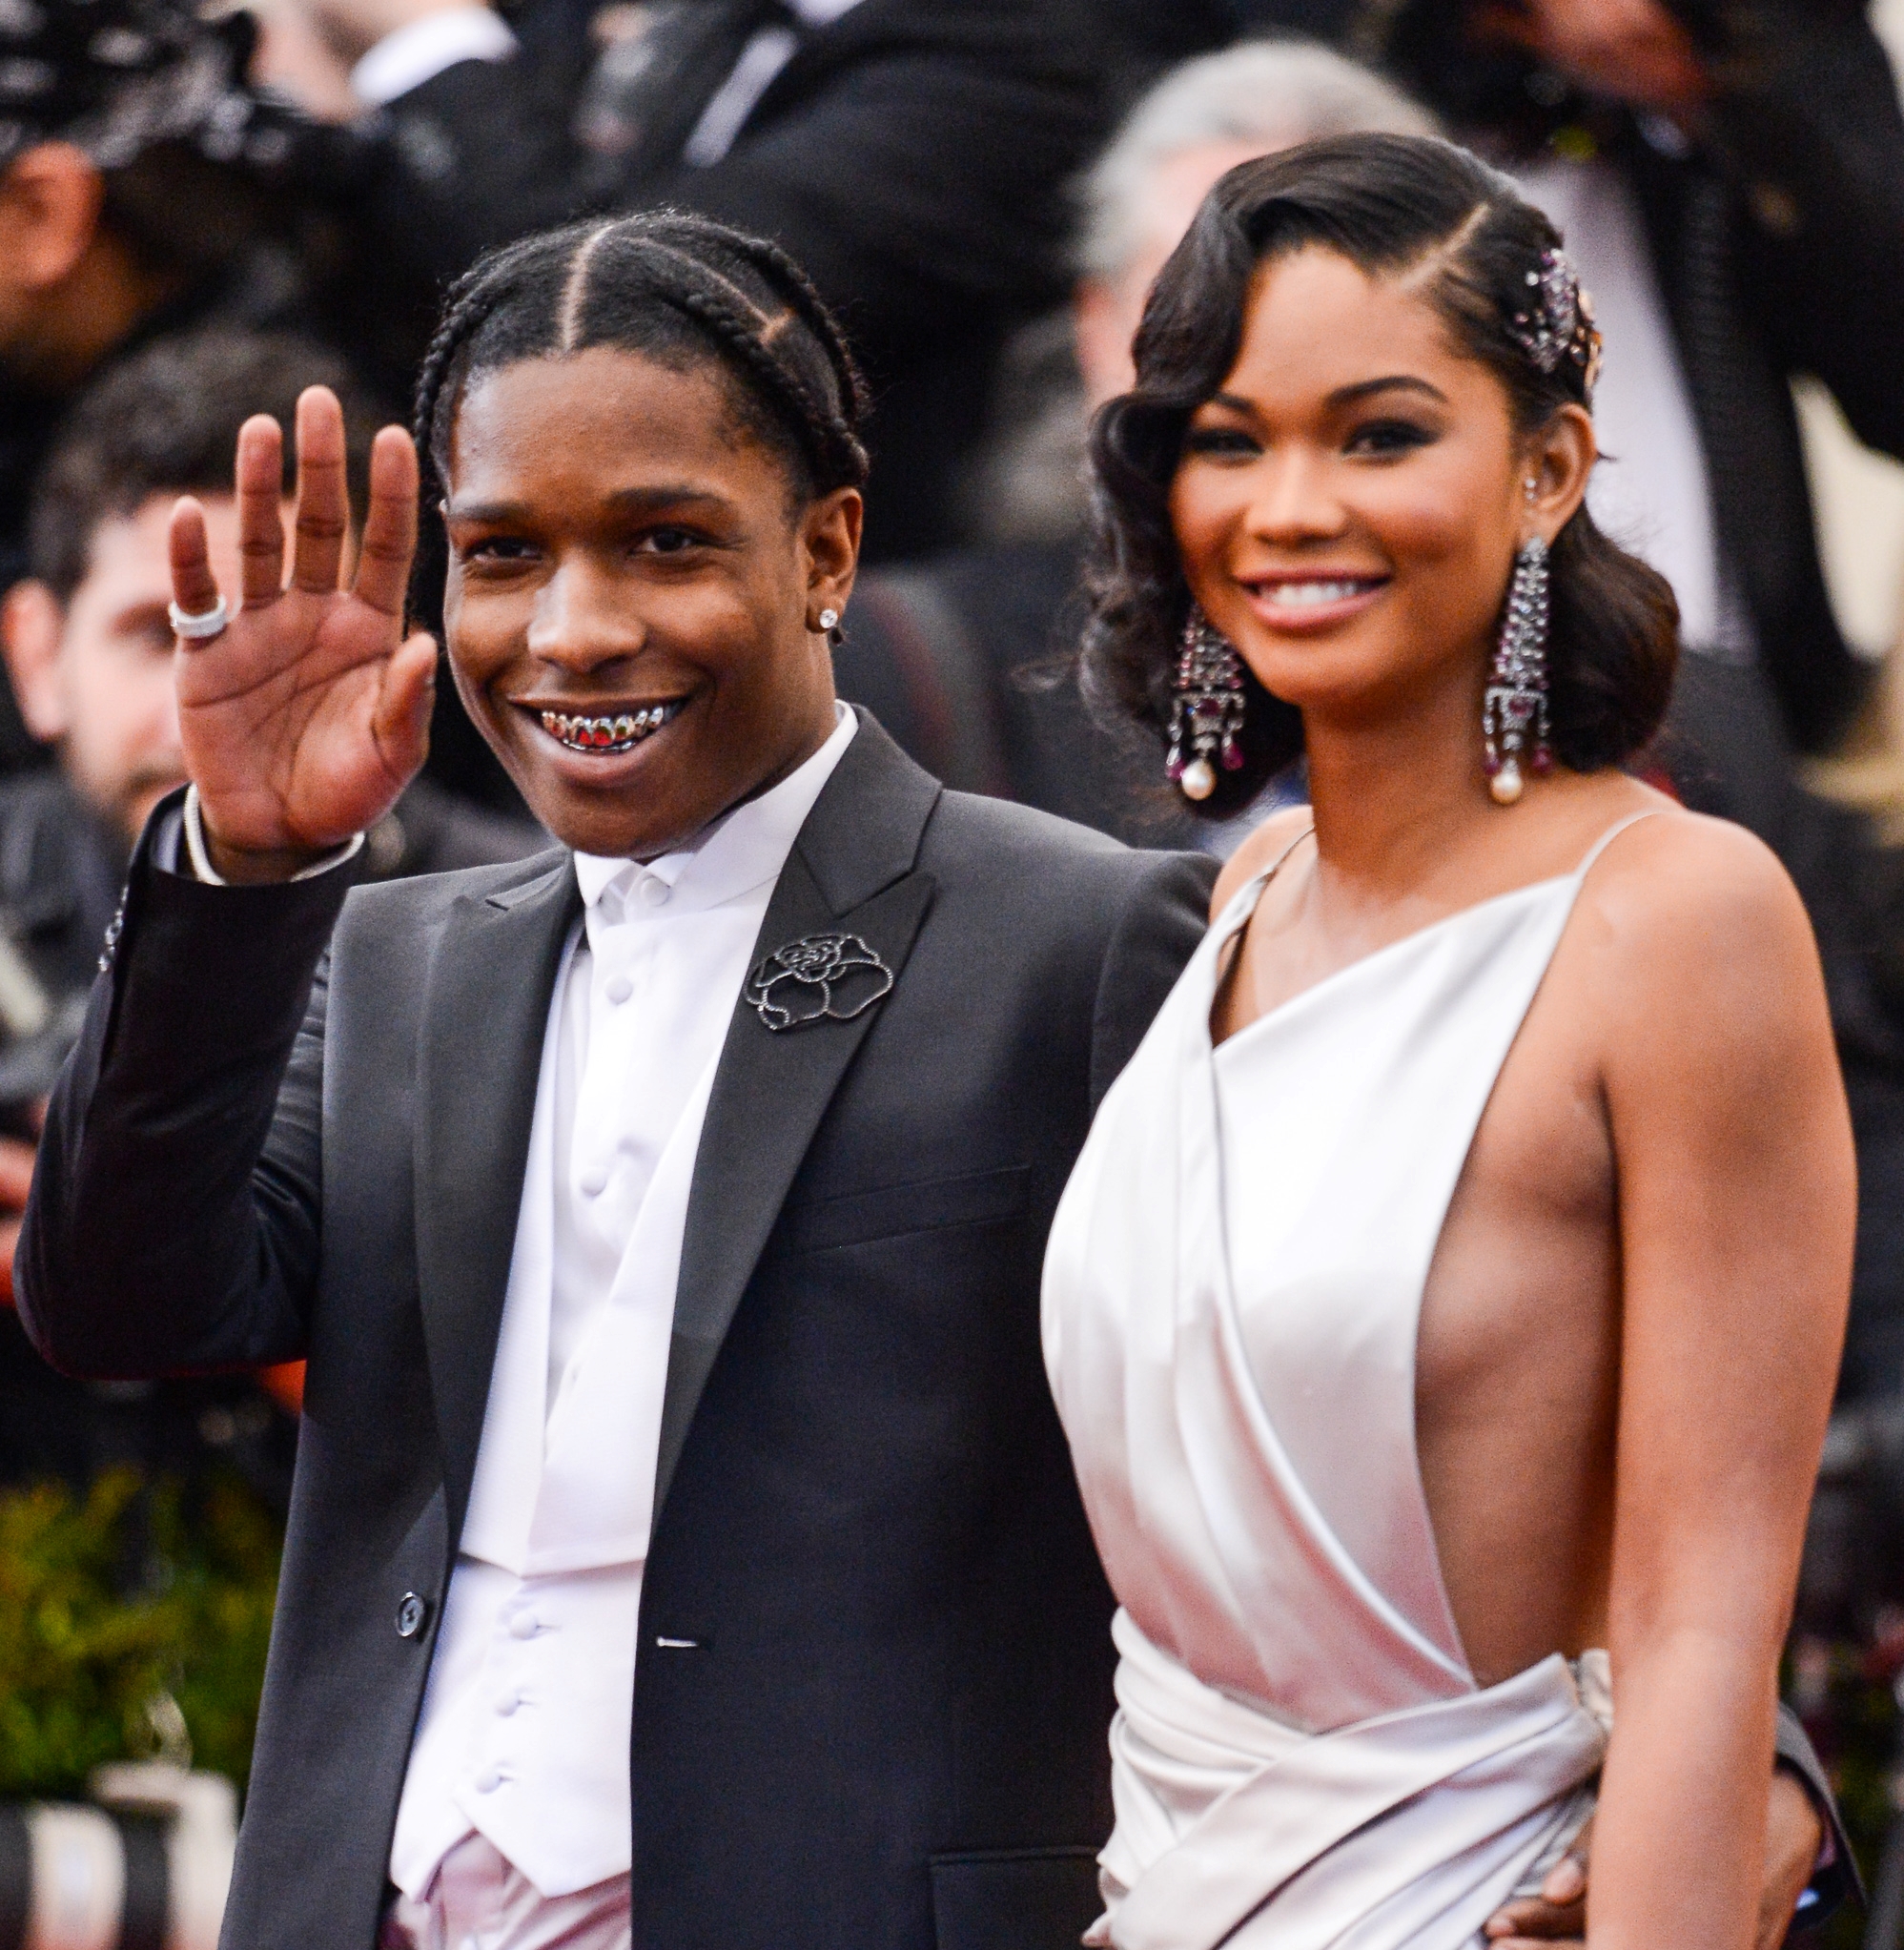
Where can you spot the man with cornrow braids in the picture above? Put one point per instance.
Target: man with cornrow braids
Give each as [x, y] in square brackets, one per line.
[683, 1550]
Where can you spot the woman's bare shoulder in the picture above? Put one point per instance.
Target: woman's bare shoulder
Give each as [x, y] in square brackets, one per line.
[1274, 836]
[1693, 917]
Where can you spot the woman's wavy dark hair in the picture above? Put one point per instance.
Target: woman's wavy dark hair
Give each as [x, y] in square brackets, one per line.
[1387, 203]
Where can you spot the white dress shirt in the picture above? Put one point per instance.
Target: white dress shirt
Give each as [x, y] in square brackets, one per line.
[1651, 492]
[524, 1736]
[422, 51]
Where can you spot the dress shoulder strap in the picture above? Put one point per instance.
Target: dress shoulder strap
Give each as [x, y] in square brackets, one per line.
[1606, 838]
[1277, 865]
[1243, 902]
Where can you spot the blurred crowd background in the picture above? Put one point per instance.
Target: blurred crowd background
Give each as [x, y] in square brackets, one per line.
[202, 211]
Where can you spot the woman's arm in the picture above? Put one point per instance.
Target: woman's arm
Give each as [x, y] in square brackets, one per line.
[1736, 1196]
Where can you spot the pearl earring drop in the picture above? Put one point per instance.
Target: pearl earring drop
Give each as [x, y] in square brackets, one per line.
[1514, 708]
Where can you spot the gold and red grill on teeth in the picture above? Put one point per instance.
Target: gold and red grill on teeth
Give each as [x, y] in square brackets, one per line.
[604, 734]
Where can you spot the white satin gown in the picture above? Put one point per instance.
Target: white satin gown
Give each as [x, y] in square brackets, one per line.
[1301, 1759]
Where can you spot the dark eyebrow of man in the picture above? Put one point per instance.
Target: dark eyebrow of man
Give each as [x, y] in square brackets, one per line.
[667, 494]
[633, 500]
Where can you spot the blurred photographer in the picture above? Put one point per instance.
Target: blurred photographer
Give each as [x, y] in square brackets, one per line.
[1730, 175]
[145, 190]
[89, 649]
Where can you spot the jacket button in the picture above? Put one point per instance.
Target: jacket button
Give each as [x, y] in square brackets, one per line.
[411, 1613]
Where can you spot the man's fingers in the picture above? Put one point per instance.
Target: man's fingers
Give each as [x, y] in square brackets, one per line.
[194, 587]
[1566, 1880]
[402, 718]
[323, 495]
[1532, 1920]
[1558, 1913]
[260, 483]
[390, 524]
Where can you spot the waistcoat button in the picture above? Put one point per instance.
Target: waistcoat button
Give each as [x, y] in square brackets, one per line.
[411, 1613]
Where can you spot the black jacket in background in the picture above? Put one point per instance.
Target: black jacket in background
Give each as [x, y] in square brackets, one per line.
[873, 1686]
[912, 155]
[1778, 240]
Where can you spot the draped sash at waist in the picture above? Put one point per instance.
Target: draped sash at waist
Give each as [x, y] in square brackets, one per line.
[1409, 1828]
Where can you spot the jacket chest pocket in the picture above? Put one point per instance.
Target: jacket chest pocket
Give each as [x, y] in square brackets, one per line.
[978, 1197]
[1035, 1899]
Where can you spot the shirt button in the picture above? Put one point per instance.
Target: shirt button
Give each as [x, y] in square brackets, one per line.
[411, 1611]
[654, 890]
[619, 989]
[594, 1183]
[524, 1625]
[509, 1703]
[487, 1783]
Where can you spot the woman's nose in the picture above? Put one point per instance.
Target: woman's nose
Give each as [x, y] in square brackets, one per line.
[1294, 499]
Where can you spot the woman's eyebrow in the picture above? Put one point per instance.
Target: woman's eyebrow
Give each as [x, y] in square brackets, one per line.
[1342, 395]
[1406, 382]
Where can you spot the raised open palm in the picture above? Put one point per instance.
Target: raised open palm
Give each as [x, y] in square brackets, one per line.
[306, 717]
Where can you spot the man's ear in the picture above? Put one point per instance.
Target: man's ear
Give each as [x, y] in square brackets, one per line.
[51, 197]
[832, 534]
[33, 623]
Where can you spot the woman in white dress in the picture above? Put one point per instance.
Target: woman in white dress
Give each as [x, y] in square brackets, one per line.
[1482, 1197]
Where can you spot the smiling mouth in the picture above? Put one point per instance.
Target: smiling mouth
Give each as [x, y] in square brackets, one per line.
[1316, 594]
[605, 736]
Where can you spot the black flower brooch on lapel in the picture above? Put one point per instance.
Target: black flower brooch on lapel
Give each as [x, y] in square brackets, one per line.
[824, 975]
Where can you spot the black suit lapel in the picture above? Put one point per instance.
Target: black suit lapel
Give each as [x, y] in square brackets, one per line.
[484, 1018]
[850, 871]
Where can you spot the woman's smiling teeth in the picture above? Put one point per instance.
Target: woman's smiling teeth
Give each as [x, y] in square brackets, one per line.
[618, 731]
[1313, 595]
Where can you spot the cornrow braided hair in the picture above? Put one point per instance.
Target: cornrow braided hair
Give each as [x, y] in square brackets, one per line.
[669, 284]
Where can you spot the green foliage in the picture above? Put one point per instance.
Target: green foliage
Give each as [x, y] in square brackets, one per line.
[109, 1603]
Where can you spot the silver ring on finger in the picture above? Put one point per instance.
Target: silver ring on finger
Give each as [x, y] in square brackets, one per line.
[208, 623]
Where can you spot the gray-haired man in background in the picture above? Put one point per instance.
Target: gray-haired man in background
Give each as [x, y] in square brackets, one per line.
[948, 655]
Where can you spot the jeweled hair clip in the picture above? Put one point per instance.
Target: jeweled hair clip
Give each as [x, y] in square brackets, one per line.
[1558, 323]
